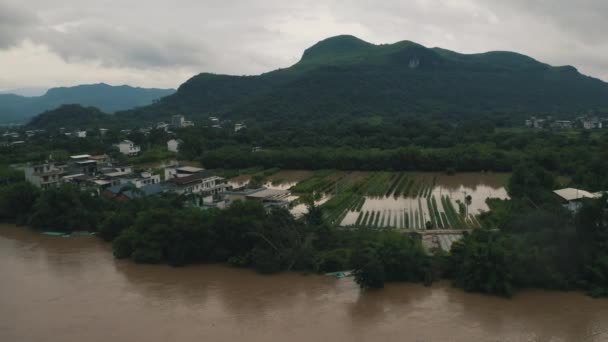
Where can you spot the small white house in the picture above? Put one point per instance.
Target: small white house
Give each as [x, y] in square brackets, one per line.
[173, 145]
[238, 127]
[80, 134]
[145, 178]
[127, 147]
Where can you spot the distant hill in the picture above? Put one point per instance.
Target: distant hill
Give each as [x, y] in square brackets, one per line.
[70, 117]
[15, 108]
[345, 76]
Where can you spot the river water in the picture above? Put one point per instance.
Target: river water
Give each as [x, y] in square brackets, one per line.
[71, 289]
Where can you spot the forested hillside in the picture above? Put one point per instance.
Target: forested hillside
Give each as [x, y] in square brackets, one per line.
[346, 77]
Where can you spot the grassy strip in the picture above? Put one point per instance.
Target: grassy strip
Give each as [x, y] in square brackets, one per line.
[445, 221]
[422, 218]
[372, 217]
[359, 204]
[363, 222]
[401, 186]
[435, 212]
[377, 220]
[377, 187]
[408, 188]
[455, 219]
[338, 206]
[396, 181]
[431, 212]
[414, 190]
[358, 221]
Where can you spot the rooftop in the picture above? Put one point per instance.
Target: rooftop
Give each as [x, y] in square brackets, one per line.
[572, 194]
[151, 189]
[189, 169]
[80, 156]
[191, 178]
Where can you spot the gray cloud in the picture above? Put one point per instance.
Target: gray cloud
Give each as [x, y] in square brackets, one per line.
[124, 37]
[15, 23]
[114, 46]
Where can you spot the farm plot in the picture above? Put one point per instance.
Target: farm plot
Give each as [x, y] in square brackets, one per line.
[414, 201]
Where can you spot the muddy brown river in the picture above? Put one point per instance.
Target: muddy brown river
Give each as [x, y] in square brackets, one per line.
[71, 289]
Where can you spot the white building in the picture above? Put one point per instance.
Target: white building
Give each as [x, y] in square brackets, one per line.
[592, 123]
[203, 183]
[80, 134]
[573, 198]
[173, 145]
[181, 171]
[127, 147]
[162, 126]
[177, 121]
[103, 131]
[44, 175]
[238, 127]
[145, 178]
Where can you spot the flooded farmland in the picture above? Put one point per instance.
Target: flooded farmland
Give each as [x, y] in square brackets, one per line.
[443, 201]
[391, 199]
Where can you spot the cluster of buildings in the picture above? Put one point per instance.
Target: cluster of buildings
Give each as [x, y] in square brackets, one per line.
[550, 123]
[177, 122]
[97, 173]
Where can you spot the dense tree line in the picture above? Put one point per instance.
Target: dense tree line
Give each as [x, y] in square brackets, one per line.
[163, 229]
[531, 241]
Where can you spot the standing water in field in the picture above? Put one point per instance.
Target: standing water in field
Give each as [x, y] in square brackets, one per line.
[418, 200]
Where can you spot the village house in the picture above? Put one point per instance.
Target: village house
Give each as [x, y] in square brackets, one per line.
[173, 145]
[181, 171]
[144, 178]
[162, 126]
[126, 192]
[179, 121]
[592, 123]
[127, 147]
[203, 182]
[562, 124]
[572, 199]
[238, 127]
[44, 175]
[82, 164]
[270, 198]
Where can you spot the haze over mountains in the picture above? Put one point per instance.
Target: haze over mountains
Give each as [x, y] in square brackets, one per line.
[16, 108]
[346, 77]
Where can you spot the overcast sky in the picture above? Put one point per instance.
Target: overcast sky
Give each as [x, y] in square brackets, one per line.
[155, 43]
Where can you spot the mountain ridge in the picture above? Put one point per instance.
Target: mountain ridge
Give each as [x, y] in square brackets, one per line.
[17, 108]
[344, 77]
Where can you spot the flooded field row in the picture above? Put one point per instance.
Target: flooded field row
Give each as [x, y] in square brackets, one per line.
[391, 199]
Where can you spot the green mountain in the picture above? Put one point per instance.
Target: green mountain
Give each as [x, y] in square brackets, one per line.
[70, 117]
[15, 108]
[344, 76]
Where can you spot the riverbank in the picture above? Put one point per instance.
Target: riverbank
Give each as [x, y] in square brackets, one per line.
[58, 289]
